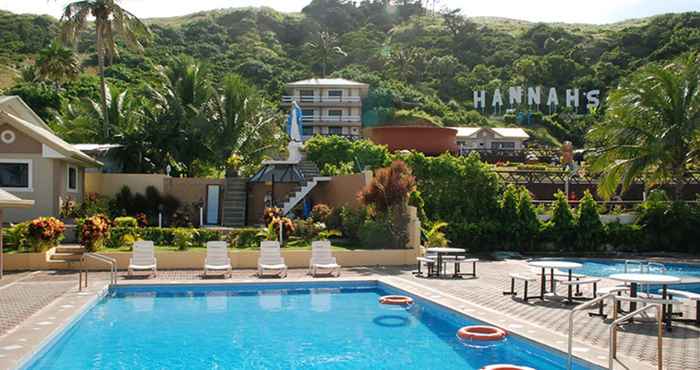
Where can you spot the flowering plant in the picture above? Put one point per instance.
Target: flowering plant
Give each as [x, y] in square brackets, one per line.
[271, 213]
[94, 231]
[45, 232]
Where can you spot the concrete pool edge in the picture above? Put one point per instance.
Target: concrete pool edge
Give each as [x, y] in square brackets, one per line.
[35, 334]
[536, 334]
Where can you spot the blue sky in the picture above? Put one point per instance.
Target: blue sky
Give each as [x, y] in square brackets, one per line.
[586, 11]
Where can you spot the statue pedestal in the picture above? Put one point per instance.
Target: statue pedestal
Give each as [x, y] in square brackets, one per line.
[294, 149]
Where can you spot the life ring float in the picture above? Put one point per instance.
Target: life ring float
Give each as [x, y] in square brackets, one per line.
[397, 300]
[506, 367]
[481, 332]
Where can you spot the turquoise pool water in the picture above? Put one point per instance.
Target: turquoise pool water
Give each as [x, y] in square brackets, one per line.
[604, 268]
[337, 325]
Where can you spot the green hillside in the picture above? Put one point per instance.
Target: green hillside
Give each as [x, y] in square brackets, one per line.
[416, 63]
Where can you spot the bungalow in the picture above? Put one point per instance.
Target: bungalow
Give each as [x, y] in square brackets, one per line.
[490, 138]
[37, 165]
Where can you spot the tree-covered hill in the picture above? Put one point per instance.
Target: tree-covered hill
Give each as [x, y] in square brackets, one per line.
[419, 64]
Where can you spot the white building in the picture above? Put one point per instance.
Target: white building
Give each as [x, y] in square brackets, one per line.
[490, 138]
[330, 106]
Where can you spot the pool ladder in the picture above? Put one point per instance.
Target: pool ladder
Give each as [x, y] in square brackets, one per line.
[612, 349]
[97, 257]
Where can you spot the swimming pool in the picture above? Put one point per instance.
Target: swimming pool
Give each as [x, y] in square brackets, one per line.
[337, 325]
[607, 267]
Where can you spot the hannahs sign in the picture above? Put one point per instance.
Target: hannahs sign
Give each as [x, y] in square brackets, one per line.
[516, 95]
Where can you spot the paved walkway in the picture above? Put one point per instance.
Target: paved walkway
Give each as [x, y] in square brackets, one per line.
[23, 295]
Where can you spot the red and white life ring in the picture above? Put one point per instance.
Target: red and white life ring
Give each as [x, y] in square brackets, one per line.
[481, 332]
[506, 367]
[397, 300]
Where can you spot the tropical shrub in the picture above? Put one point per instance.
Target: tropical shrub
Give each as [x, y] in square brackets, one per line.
[389, 188]
[339, 154]
[44, 233]
[590, 231]
[434, 237]
[563, 223]
[375, 235]
[244, 238]
[184, 238]
[122, 237]
[94, 230]
[462, 191]
[351, 220]
[321, 212]
[509, 216]
[528, 224]
[125, 221]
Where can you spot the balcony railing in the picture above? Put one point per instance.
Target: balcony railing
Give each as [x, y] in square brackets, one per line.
[331, 119]
[321, 99]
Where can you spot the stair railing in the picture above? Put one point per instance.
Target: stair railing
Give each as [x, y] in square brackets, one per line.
[97, 257]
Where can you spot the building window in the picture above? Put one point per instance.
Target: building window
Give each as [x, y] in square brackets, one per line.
[307, 130]
[306, 95]
[503, 145]
[307, 115]
[72, 178]
[335, 114]
[16, 174]
[335, 95]
[335, 130]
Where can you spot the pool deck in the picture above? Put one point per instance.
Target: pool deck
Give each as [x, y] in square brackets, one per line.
[36, 305]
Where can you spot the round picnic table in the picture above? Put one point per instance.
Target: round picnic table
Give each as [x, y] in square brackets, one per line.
[554, 265]
[441, 252]
[634, 279]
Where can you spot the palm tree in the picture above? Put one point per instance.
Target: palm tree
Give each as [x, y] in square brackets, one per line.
[111, 21]
[652, 128]
[323, 49]
[58, 64]
[242, 122]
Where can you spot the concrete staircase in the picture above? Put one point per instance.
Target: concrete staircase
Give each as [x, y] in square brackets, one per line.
[235, 197]
[300, 192]
[309, 170]
[67, 254]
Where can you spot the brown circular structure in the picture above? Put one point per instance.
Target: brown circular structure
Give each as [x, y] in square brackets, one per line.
[429, 140]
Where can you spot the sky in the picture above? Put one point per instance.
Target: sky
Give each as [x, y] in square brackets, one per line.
[571, 11]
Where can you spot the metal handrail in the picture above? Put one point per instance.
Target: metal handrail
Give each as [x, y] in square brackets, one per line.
[640, 263]
[571, 323]
[98, 257]
[652, 303]
[612, 351]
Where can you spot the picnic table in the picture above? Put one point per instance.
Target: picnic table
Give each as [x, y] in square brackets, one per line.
[441, 252]
[555, 265]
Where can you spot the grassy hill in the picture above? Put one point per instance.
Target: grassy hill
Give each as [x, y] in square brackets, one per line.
[413, 61]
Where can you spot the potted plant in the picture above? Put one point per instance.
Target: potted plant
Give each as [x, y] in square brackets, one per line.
[94, 231]
[44, 233]
[233, 165]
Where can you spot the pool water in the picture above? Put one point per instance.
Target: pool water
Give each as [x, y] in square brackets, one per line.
[337, 325]
[605, 268]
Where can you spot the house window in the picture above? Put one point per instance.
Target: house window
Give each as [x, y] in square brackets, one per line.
[72, 178]
[16, 175]
[307, 130]
[335, 130]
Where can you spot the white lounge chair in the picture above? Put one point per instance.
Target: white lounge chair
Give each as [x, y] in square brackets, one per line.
[217, 258]
[322, 259]
[143, 257]
[271, 259]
